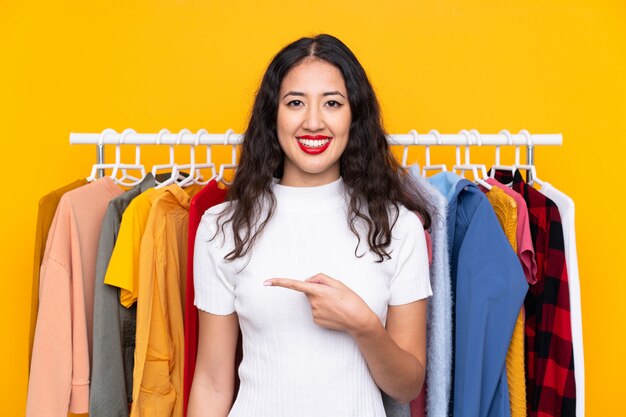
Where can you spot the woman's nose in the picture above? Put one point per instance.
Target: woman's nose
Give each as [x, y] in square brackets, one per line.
[313, 119]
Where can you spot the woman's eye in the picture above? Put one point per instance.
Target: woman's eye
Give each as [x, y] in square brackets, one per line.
[294, 103]
[333, 103]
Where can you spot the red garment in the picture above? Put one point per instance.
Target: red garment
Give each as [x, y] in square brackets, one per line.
[418, 405]
[550, 382]
[211, 195]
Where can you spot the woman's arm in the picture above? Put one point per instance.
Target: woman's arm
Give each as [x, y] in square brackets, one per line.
[213, 383]
[396, 356]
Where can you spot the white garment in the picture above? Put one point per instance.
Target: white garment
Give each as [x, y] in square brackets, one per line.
[291, 366]
[566, 208]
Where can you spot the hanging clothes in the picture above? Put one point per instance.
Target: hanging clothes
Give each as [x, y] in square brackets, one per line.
[59, 378]
[159, 341]
[488, 287]
[506, 211]
[212, 194]
[113, 324]
[123, 270]
[439, 318]
[526, 254]
[551, 386]
[123, 274]
[566, 209]
[392, 407]
[525, 248]
[45, 213]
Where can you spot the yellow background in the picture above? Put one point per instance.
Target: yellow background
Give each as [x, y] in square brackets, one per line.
[546, 66]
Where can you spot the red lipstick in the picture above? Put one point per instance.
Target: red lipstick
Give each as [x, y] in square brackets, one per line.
[314, 150]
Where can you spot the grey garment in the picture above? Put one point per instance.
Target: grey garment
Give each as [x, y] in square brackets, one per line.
[439, 349]
[394, 408]
[113, 324]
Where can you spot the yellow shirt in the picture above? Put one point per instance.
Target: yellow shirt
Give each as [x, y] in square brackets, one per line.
[47, 207]
[159, 342]
[505, 208]
[123, 269]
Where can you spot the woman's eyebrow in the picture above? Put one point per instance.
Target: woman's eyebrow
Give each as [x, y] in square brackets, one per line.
[301, 94]
[332, 93]
[294, 93]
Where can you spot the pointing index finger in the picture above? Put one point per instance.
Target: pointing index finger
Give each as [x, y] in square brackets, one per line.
[292, 284]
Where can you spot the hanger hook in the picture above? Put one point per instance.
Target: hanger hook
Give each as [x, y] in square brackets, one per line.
[118, 157]
[479, 139]
[105, 132]
[199, 133]
[125, 133]
[509, 141]
[437, 136]
[405, 152]
[468, 137]
[227, 136]
[526, 134]
[179, 138]
[509, 138]
[468, 143]
[159, 136]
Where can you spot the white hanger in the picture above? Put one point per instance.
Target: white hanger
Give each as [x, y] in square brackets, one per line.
[95, 167]
[468, 166]
[531, 168]
[497, 166]
[190, 179]
[405, 156]
[233, 164]
[405, 151]
[197, 175]
[427, 165]
[172, 165]
[127, 180]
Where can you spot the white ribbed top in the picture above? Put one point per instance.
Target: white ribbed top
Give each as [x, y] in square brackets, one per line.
[292, 367]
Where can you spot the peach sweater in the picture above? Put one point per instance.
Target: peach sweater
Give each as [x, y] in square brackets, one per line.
[59, 377]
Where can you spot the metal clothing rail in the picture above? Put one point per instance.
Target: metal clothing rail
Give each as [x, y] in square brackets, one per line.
[413, 138]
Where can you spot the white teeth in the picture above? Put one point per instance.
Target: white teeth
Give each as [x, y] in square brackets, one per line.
[311, 143]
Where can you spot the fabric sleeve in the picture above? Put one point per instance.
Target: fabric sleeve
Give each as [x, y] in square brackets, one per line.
[411, 280]
[51, 384]
[214, 293]
[123, 268]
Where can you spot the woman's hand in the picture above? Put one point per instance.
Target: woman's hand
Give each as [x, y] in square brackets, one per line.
[334, 305]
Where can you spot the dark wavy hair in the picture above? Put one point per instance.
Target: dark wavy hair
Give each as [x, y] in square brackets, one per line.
[377, 184]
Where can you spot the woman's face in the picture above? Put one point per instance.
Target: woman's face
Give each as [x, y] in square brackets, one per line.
[313, 123]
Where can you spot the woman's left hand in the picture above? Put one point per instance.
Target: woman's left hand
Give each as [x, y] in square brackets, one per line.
[334, 305]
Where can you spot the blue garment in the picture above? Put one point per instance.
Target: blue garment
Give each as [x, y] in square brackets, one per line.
[489, 288]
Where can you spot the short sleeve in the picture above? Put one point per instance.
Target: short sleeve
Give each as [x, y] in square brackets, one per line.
[214, 293]
[123, 268]
[411, 279]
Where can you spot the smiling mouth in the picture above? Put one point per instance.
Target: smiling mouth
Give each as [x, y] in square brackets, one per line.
[314, 145]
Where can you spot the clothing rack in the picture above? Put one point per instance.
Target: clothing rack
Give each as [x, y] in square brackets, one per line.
[413, 138]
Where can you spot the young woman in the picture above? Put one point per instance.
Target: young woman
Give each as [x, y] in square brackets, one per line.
[318, 256]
